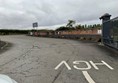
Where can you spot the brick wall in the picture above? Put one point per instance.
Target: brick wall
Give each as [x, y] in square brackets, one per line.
[94, 31]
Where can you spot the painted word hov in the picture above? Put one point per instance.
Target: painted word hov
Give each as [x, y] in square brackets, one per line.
[89, 65]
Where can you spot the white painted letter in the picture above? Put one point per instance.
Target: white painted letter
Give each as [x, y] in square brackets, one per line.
[63, 62]
[78, 62]
[103, 63]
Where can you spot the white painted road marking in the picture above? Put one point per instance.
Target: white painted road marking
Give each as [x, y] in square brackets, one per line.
[87, 76]
[103, 63]
[79, 62]
[85, 73]
[63, 62]
[75, 63]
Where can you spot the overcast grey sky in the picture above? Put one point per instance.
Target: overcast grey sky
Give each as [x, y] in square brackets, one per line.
[20, 14]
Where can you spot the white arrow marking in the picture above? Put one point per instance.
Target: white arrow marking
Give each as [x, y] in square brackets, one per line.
[87, 76]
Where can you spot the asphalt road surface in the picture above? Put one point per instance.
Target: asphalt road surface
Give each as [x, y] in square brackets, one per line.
[47, 60]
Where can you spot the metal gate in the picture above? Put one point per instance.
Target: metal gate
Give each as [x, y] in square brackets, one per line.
[110, 31]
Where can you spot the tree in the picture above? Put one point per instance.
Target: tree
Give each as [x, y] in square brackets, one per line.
[70, 23]
[62, 28]
[78, 26]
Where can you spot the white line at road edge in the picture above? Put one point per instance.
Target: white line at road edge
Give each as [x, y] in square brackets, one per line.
[87, 76]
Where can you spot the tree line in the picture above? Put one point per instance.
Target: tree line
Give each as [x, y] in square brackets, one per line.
[69, 26]
[71, 23]
[9, 31]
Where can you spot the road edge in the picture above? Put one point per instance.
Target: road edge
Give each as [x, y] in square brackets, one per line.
[3, 46]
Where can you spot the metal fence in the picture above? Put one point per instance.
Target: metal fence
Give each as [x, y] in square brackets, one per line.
[110, 34]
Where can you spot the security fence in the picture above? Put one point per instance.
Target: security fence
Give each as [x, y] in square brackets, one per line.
[110, 33]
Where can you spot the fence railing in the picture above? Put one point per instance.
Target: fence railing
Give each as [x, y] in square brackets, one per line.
[112, 38]
[111, 42]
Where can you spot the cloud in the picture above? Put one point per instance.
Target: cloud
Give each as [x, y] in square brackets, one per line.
[20, 14]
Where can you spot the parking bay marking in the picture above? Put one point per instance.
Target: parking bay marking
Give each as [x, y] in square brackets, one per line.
[85, 73]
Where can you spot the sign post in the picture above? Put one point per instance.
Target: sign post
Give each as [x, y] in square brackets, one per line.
[35, 25]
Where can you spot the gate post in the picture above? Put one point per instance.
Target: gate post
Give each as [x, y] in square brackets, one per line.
[105, 27]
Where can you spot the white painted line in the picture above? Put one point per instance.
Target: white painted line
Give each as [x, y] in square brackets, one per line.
[87, 76]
